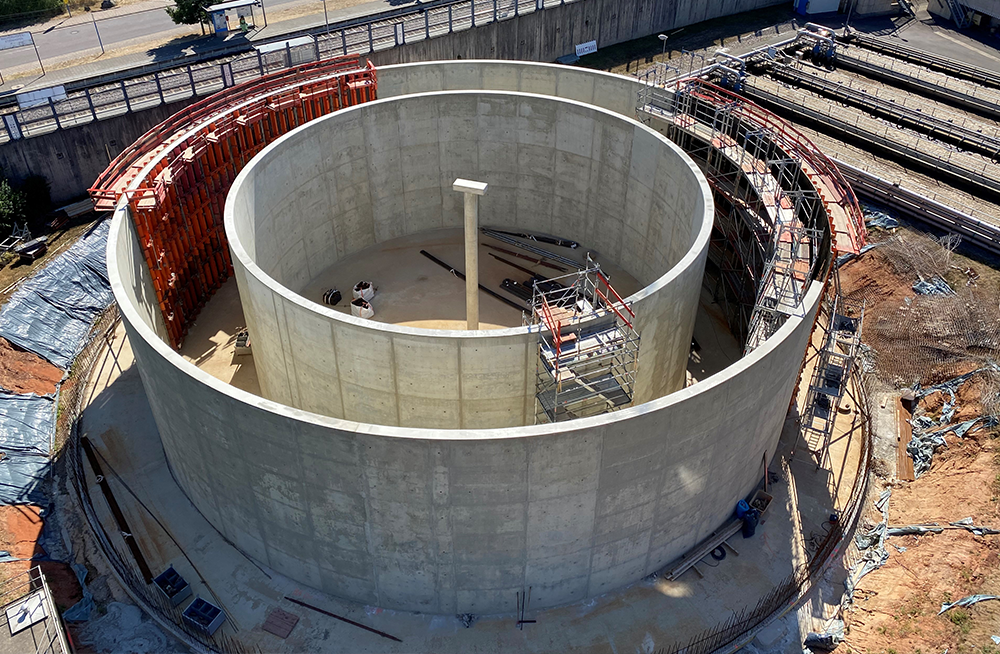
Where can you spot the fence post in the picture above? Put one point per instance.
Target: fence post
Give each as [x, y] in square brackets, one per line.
[472, 10]
[90, 103]
[343, 41]
[427, 24]
[516, 8]
[449, 19]
[494, 11]
[159, 87]
[55, 113]
[125, 95]
[371, 43]
[194, 91]
[316, 43]
[288, 52]
[260, 63]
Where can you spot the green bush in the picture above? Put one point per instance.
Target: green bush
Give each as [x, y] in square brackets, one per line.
[13, 207]
[14, 7]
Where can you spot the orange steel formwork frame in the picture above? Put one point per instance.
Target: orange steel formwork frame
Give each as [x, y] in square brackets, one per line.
[176, 176]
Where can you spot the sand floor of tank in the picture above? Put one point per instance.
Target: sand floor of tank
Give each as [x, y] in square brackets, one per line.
[413, 290]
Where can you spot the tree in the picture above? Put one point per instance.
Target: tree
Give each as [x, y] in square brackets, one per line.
[189, 12]
[13, 206]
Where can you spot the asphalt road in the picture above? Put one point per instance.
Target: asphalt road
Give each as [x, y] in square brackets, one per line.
[67, 36]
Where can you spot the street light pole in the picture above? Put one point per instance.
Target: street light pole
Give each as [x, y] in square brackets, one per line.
[663, 37]
[99, 41]
[326, 18]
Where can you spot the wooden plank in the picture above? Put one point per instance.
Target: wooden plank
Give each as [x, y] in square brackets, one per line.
[280, 623]
[904, 432]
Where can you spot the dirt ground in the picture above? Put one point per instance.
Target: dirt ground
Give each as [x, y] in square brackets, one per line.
[21, 528]
[13, 272]
[922, 338]
[24, 372]
[895, 608]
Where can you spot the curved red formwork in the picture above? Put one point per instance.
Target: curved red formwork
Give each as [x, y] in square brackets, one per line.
[177, 175]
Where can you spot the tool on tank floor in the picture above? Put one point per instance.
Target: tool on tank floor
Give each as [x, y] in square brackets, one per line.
[461, 276]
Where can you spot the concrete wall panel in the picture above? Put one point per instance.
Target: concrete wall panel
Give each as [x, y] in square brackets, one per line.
[552, 166]
[458, 520]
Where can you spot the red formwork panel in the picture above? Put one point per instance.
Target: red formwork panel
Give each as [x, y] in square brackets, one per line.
[843, 207]
[188, 163]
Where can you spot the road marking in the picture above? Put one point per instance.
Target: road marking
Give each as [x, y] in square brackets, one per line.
[968, 46]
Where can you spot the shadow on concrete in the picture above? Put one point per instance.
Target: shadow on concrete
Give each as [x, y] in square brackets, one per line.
[197, 47]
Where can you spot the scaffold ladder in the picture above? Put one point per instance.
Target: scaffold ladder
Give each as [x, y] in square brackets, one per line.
[587, 346]
[834, 365]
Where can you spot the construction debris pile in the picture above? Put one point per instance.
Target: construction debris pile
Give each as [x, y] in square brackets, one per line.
[929, 429]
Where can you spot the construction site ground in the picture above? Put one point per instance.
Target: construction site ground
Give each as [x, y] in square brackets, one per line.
[13, 270]
[645, 616]
[895, 608]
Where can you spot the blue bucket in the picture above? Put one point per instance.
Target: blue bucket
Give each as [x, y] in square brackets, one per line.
[741, 509]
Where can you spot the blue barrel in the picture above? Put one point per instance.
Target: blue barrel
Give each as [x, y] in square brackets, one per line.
[741, 509]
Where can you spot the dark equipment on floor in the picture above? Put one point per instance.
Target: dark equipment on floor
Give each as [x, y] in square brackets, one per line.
[332, 297]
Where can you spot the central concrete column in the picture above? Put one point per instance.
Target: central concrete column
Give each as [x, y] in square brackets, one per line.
[472, 191]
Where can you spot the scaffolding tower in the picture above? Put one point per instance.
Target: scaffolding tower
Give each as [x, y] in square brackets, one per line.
[786, 278]
[834, 364]
[587, 346]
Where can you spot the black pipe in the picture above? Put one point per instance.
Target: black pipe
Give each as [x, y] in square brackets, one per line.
[517, 267]
[525, 257]
[542, 238]
[461, 276]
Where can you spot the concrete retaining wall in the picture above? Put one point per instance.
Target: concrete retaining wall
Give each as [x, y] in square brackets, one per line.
[554, 32]
[383, 170]
[452, 521]
[72, 158]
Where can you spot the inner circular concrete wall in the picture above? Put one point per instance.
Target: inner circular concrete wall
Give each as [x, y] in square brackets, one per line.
[383, 170]
[458, 521]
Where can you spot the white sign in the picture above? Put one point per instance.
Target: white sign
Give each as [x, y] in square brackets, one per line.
[586, 48]
[10, 120]
[41, 96]
[18, 40]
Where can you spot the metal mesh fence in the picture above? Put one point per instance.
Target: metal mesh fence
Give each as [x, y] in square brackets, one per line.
[406, 25]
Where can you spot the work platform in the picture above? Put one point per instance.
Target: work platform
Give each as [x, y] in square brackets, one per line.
[587, 346]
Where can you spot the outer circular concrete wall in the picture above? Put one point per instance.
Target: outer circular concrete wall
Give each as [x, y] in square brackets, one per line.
[382, 170]
[453, 521]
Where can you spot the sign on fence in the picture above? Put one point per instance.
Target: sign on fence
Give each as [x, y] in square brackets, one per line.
[18, 40]
[30, 99]
[227, 74]
[586, 48]
[10, 120]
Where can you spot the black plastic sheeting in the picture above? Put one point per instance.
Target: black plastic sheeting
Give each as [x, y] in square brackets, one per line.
[52, 312]
[27, 424]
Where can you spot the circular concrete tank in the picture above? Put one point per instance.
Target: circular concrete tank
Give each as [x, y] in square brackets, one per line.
[383, 170]
[458, 520]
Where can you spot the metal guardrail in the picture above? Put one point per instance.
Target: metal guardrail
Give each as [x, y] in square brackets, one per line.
[924, 209]
[926, 59]
[361, 36]
[47, 635]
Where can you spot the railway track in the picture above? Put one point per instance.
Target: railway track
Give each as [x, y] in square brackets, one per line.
[982, 100]
[913, 118]
[926, 59]
[967, 169]
[913, 205]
